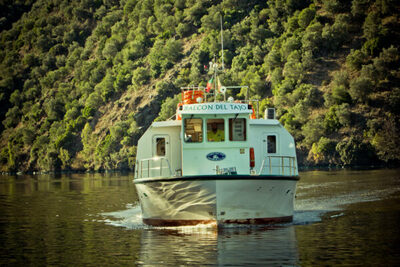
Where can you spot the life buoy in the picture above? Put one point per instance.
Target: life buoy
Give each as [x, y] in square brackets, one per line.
[191, 96]
[252, 115]
[178, 116]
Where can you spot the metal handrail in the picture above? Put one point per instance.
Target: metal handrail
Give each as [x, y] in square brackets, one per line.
[202, 88]
[281, 167]
[141, 169]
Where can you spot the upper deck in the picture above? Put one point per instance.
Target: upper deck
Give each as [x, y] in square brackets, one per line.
[198, 101]
[215, 108]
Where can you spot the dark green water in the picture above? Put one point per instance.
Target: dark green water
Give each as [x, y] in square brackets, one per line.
[342, 218]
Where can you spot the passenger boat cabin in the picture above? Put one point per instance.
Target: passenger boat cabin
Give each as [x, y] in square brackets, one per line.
[210, 138]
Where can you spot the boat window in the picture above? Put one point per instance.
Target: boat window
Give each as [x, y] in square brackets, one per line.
[160, 146]
[215, 130]
[271, 144]
[193, 130]
[237, 129]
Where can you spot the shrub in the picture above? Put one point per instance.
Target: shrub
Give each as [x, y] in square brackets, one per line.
[94, 101]
[312, 38]
[313, 130]
[28, 136]
[293, 68]
[164, 88]
[16, 98]
[360, 88]
[272, 60]
[168, 108]
[12, 117]
[323, 152]
[306, 16]
[54, 109]
[331, 121]
[173, 50]
[355, 59]
[354, 151]
[140, 77]
[301, 111]
[386, 140]
[341, 95]
[343, 114]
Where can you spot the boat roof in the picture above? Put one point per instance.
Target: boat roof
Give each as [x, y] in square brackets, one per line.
[264, 122]
[158, 124]
[215, 108]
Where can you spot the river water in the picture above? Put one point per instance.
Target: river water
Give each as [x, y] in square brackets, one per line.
[341, 218]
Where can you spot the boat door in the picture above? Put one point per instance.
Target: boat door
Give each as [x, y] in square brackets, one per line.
[161, 146]
[270, 153]
[161, 152]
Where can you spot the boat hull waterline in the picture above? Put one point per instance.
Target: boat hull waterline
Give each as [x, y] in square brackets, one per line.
[218, 199]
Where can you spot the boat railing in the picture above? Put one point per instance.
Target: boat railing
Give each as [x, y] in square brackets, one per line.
[279, 165]
[153, 167]
[190, 95]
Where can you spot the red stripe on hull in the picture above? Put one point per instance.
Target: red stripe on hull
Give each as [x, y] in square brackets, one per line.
[161, 222]
[261, 220]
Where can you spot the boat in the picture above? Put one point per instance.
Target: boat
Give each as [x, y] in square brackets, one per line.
[216, 162]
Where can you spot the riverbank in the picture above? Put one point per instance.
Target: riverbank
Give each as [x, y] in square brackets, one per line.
[301, 168]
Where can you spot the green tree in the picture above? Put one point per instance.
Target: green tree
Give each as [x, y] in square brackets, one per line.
[354, 151]
[360, 88]
[168, 108]
[306, 16]
[140, 77]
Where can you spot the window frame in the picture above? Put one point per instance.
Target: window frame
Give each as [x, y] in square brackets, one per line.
[201, 132]
[276, 143]
[160, 148]
[230, 125]
[222, 121]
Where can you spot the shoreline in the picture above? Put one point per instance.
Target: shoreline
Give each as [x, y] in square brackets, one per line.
[301, 169]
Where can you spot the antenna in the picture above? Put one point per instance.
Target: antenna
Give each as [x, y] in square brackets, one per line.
[222, 43]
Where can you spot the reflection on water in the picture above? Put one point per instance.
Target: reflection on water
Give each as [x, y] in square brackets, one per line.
[341, 218]
[228, 246]
[231, 245]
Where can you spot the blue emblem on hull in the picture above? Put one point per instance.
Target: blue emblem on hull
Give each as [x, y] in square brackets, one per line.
[216, 156]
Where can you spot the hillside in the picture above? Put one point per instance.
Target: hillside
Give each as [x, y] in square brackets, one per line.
[80, 81]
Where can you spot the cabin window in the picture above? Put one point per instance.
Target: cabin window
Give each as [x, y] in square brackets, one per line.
[215, 130]
[193, 130]
[271, 144]
[237, 129]
[160, 146]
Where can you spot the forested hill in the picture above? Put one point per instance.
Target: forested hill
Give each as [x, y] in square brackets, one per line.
[80, 81]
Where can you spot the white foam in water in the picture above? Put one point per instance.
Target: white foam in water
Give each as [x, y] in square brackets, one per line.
[130, 218]
[301, 217]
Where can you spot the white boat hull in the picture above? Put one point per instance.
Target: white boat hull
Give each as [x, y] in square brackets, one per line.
[220, 199]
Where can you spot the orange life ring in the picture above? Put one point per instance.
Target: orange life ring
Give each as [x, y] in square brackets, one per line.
[178, 117]
[253, 115]
[190, 96]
